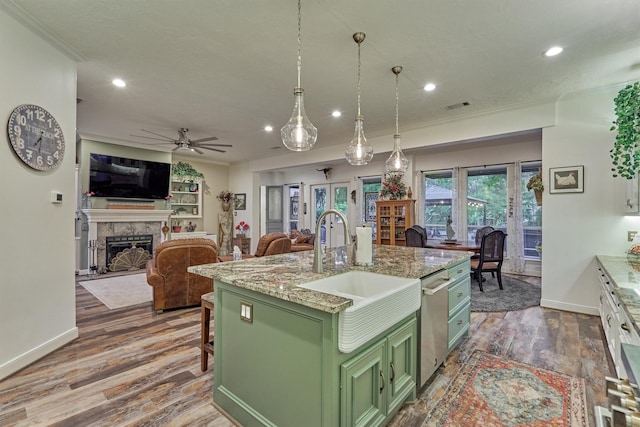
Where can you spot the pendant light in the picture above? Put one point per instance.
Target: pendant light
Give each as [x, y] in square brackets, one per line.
[299, 134]
[397, 163]
[358, 152]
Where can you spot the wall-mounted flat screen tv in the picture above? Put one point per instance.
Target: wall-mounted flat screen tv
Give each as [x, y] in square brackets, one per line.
[124, 178]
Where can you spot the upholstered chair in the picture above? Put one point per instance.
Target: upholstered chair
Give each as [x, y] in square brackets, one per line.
[173, 286]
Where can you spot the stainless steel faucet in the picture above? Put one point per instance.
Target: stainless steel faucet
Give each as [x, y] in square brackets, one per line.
[317, 251]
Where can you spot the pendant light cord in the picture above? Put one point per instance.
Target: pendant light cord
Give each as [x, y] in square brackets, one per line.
[359, 78]
[397, 113]
[299, 41]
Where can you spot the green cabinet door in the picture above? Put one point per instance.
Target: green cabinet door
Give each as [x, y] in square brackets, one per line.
[362, 383]
[402, 348]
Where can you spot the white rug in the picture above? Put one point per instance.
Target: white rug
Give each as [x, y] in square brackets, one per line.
[121, 291]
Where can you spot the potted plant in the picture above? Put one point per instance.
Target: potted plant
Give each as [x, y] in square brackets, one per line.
[242, 228]
[185, 171]
[392, 187]
[625, 153]
[535, 183]
[177, 226]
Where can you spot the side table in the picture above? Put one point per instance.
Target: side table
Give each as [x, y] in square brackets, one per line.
[244, 243]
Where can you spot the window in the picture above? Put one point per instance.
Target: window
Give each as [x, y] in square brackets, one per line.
[438, 203]
[531, 214]
[371, 192]
[294, 207]
[486, 199]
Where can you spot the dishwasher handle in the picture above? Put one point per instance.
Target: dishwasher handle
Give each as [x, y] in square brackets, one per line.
[432, 291]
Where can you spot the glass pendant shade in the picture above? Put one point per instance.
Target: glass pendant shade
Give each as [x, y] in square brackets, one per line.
[299, 134]
[397, 162]
[358, 152]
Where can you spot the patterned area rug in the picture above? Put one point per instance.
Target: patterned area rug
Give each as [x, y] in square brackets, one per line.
[490, 391]
[516, 295]
[121, 291]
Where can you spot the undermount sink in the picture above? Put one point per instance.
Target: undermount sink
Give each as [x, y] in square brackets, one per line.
[379, 302]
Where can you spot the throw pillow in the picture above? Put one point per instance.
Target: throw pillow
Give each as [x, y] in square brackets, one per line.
[301, 239]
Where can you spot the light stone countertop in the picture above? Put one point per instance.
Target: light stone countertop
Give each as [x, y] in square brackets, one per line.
[280, 275]
[625, 274]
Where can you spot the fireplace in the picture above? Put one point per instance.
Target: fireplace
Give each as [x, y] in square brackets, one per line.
[129, 252]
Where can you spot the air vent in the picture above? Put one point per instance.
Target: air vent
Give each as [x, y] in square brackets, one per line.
[458, 105]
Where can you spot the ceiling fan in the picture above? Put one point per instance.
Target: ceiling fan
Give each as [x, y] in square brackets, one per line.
[185, 143]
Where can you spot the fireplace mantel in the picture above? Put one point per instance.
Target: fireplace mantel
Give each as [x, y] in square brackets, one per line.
[126, 215]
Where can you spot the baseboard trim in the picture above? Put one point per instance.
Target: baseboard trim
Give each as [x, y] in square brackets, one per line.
[25, 359]
[575, 308]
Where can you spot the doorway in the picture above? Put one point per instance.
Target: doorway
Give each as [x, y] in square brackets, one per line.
[330, 196]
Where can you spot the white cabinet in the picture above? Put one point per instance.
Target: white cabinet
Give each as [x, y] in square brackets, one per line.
[632, 196]
[616, 324]
[186, 197]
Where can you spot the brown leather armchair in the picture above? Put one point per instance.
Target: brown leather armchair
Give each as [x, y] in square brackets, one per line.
[173, 286]
[269, 244]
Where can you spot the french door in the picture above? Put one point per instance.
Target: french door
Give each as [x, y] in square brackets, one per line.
[330, 196]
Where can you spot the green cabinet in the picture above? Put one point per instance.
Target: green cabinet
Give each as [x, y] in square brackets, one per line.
[459, 320]
[282, 367]
[374, 384]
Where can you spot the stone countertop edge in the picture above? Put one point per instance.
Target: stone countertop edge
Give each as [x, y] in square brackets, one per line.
[280, 275]
[626, 281]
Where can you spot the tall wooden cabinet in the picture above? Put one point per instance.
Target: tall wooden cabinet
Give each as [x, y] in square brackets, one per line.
[392, 218]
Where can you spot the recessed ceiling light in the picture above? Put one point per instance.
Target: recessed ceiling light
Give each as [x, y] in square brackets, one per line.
[429, 87]
[336, 113]
[119, 82]
[268, 128]
[553, 51]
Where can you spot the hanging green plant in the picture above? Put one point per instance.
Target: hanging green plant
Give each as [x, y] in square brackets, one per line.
[185, 170]
[625, 153]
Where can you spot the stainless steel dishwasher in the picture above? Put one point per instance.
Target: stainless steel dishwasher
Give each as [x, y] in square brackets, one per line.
[434, 315]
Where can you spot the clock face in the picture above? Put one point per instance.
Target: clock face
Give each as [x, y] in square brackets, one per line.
[36, 137]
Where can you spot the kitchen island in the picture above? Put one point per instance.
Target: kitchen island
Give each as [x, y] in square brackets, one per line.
[277, 360]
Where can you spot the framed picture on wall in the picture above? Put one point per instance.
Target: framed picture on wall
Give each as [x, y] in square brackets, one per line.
[370, 206]
[240, 202]
[566, 180]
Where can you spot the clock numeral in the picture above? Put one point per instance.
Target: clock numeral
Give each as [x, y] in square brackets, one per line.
[40, 115]
[56, 154]
[39, 161]
[17, 130]
[50, 160]
[29, 154]
[29, 116]
[21, 120]
[21, 143]
[56, 133]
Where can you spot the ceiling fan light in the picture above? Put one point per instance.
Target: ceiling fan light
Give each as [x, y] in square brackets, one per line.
[299, 134]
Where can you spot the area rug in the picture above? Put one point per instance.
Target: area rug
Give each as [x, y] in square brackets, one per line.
[516, 295]
[491, 391]
[120, 291]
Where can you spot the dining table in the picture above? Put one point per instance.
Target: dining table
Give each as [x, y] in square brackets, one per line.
[454, 245]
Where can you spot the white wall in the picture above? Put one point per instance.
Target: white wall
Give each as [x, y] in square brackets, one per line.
[37, 290]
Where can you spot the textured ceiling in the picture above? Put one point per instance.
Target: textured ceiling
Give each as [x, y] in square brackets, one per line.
[228, 68]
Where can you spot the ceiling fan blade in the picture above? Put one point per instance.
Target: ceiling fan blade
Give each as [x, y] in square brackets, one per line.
[157, 134]
[212, 149]
[196, 150]
[150, 137]
[211, 138]
[215, 145]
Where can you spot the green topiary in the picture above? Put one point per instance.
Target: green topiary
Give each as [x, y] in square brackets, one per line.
[625, 153]
[185, 170]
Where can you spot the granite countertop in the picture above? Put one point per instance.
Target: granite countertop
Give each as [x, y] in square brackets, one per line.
[280, 275]
[625, 274]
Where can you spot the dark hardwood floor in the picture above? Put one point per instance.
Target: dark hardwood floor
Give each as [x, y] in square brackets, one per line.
[133, 367]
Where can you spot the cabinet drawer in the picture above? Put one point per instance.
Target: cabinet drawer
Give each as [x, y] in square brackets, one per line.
[459, 325]
[459, 270]
[459, 294]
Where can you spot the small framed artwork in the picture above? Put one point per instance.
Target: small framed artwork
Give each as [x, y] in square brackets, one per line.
[566, 180]
[240, 202]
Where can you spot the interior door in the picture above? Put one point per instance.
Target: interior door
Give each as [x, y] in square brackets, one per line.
[273, 208]
[330, 196]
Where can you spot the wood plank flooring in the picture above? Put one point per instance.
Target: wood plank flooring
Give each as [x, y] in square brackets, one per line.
[133, 367]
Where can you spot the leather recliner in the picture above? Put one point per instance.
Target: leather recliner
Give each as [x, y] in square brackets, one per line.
[269, 244]
[173, 286]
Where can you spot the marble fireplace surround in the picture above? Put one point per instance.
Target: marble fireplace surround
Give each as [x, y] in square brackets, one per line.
[121, 222]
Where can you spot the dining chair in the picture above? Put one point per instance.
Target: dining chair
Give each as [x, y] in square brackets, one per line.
[491, 257]
[419, 241]
[482, 231]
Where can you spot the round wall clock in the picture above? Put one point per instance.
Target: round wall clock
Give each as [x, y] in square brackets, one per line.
[36, 137]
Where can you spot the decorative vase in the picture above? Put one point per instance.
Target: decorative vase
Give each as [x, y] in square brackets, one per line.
[165, 229]
[86, 203]
[226, 206]
[409, 193]
[167, 204]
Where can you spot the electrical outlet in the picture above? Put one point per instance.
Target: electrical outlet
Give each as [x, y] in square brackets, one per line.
[631, 235]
